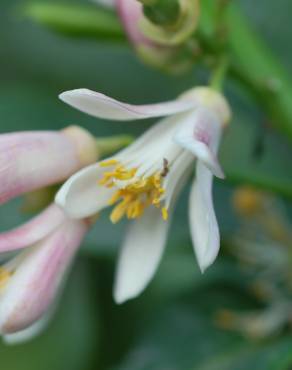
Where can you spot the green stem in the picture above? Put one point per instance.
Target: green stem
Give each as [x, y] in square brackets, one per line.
[109, 145]
[219, 74]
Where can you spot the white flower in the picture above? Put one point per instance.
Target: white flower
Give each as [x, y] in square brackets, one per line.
[142, 182]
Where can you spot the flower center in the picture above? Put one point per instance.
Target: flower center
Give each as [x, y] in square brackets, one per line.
[134, 193]
[4, 277]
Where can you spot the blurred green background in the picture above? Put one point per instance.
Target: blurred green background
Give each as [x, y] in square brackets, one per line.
[170, 327]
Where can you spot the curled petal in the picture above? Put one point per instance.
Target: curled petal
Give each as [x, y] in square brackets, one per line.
[102, 106]
[200, 134]
[37, 278]
[140, 255]
[81, 196]
[33, 231]
[203, 222]
[31, 160]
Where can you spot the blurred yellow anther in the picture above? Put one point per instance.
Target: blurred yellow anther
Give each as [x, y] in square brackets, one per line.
[164, 212]
[110, 162]
[134, 194]
[4, 277]
[247, 201]
[225, 319]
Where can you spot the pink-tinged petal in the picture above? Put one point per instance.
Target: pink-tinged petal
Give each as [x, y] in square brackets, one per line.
[200, 134]
[29, 333]
[140, 255]
[203, 222]
[32, 231]
[102, 106]
[131, 13]
[31, 160]
[81, 196]
[38, 278]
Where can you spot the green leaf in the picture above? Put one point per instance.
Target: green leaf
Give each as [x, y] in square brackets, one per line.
[76, 20]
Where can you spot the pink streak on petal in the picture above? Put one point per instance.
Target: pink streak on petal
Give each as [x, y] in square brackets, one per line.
[200, 134]
[39, 277]
[31, 160]
[32, 231]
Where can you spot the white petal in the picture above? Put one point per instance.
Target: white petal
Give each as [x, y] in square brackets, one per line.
[177, 177]
[140, 255]
[200, 134]
[156, 137]
[203, 222]
[81, 196]
[102, 106]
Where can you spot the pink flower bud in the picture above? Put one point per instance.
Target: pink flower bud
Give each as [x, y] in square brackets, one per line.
[31, 281]
[31, 160]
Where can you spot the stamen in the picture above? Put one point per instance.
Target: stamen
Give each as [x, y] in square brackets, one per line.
[164, 213]
[110, 162]
[134, 194]
[4, 277]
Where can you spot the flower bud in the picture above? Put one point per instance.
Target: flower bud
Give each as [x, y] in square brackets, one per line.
[163, 53]
[181, 22]
[32, 160]
[30, 283]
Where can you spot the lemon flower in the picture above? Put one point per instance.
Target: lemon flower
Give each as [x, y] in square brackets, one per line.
[142, 181]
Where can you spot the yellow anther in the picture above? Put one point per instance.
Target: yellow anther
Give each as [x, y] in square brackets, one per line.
[117, 195]
[110, 162]
[134, 194]
[118, 212]
[164, 212]
[4, 277]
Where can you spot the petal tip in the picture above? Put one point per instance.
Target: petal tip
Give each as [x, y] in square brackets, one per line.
[121, 297]
[66, 95]
[207, 260]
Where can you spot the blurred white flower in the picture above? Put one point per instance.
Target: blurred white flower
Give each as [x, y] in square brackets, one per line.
[142, 182]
